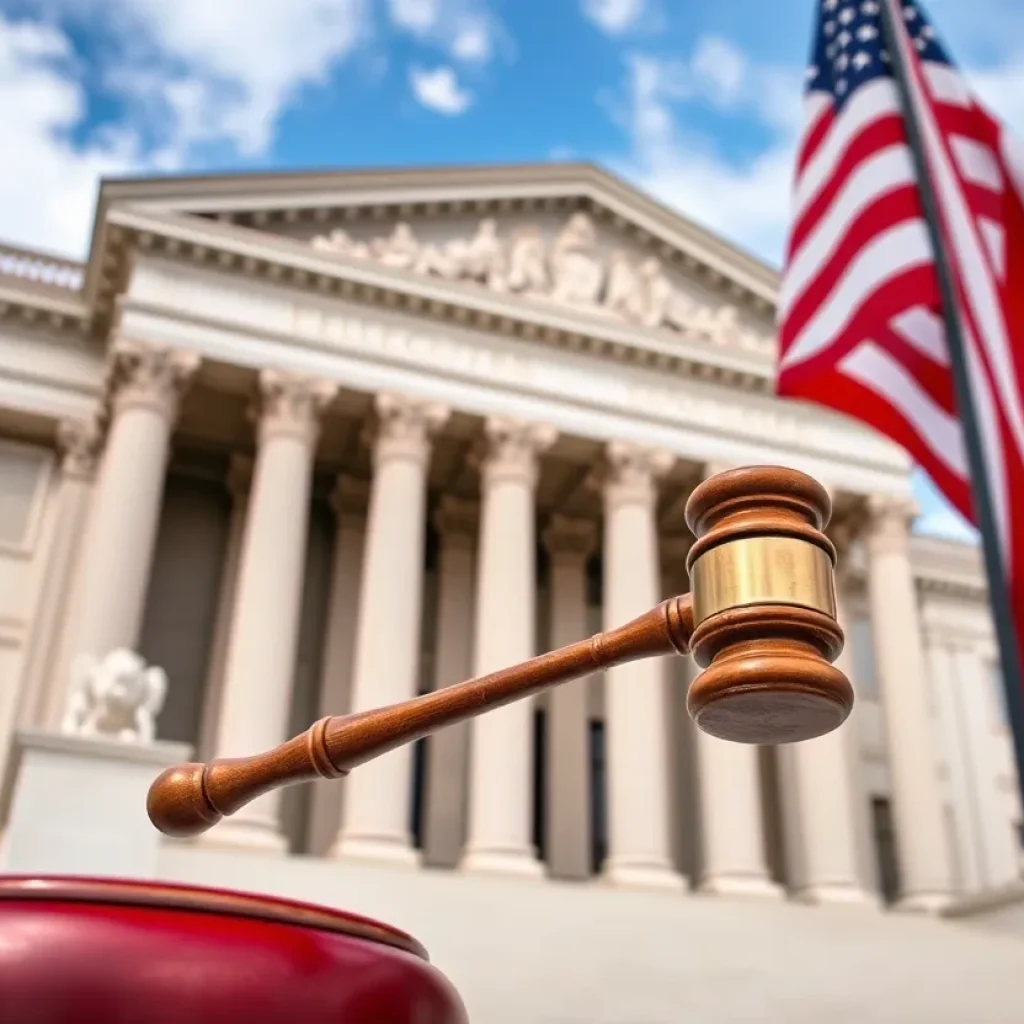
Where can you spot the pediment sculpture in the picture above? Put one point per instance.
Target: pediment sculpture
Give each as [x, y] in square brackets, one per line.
[571, 270]
[117, 697]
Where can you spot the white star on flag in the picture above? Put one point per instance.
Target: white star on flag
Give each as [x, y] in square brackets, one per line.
[866, 33]
[861, 60]
[846, 16]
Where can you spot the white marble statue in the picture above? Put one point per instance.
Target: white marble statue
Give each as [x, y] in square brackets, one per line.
[116, 697]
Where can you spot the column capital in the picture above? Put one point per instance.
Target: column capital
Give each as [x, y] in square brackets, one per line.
[79, 443]
[569, 538]
[510, 449]
[148, 377]
[290, 406]
[239, 476]
[405, 427]
[630, 473]
[457, 517]
[349, 498]
[889, 522]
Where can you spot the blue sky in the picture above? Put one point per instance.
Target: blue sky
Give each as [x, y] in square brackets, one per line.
[695, 102]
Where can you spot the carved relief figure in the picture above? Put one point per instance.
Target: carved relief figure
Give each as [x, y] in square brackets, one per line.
[116, 697]
[400, 249]
[482, 259]
[339, 241]
[571, 269]
[623, 293]
[528, 270]
[662, 304]
[576, 270]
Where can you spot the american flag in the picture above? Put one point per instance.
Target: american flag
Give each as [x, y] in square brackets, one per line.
[860, 320]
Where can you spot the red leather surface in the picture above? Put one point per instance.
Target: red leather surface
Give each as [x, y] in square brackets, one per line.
[74, 963]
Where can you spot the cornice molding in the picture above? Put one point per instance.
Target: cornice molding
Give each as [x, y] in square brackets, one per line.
[284, 261]
[491, 187]
[31, 305]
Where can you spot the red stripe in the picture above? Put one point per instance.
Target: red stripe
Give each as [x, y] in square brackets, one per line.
[879, 135]
[813, 138]
[915, 287]
[886, 212]
[833, 389]
[933, 378]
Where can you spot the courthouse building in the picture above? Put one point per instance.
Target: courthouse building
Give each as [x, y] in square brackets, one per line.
[315, 443]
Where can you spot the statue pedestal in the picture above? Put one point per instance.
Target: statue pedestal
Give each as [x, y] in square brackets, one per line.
[77, 806]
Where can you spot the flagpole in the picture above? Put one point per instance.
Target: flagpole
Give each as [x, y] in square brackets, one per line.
[1009, 651]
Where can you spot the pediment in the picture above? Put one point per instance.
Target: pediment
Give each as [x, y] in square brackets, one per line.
[555, 236]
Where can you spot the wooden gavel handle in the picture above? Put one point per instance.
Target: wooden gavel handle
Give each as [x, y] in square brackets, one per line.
[191, 798]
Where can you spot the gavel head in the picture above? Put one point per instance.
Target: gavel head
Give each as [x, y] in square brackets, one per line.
[762, 577]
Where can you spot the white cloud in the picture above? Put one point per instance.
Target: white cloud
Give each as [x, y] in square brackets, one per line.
[473, 42]
[466, 30]
[440, 90]
[614, 16]
[745, 198]
[47, 185]
[188, 73]
[719, 65]
[231, 65]
[420, 17]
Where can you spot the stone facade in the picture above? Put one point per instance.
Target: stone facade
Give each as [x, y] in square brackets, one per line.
[324, 443]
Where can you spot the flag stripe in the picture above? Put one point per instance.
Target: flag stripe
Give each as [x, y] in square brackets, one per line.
[861, 318]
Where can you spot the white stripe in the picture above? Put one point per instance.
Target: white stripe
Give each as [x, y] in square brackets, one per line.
[946, 85]
[977, 163]
[1012, 153]
[869, 103]
[994, 237]
[816, 106]
[925, 331]
[874, 368]
[896, 250]
[884, 172]
[977, 273]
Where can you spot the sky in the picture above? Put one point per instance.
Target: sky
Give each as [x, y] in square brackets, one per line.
[697, 103]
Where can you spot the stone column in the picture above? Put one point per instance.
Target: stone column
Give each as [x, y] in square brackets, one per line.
[921, 841]
[239, 481]
[680, 731]
[348, 500]
[444, 815]
[978, 720]
[501, 749]
[639, 836]
[375, 821]
[46, 672]
[145, 385]
[819, 796]
[734, 857]
[260, 657]
[570, 542]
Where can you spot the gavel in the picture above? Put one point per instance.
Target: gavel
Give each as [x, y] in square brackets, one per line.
[760, 620]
